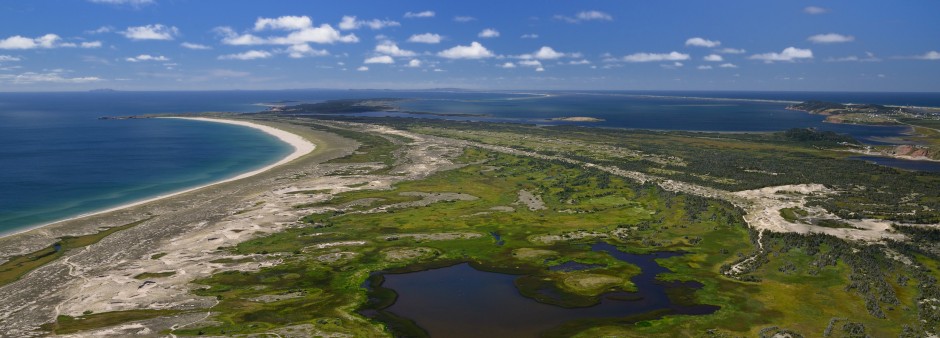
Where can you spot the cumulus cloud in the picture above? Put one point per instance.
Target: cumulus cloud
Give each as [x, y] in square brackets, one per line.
[362, 68]
[789, 54]
[350, 23]
[704, 67]
[579, 62]
[653, 57]
[814, 10]
[529, 36]
[700, 42]
[544, 53]
[713, 58]
[151, 32]
[9, 58]
[100, 30]
[425, 38]
[931, 55]
[189, 45]
[301, 31]
[424, 14]
[508, 65]
[287, 23]
[304, 50]
[383, 59]
[474, 51]
[21, 42]
[147, 57]
[585, 16]
[414, 63]
[464, 18]
[830, 38]
[49, 77]
[249, 55]
[728, 65]
[390, 48]
[730, 51]
[488, 33]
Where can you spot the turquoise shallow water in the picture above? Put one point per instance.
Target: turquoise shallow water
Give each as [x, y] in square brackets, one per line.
[59, 161]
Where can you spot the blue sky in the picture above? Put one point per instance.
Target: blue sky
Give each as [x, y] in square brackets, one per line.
[862, 45]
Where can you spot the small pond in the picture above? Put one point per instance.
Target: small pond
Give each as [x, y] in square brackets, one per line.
[461, 301]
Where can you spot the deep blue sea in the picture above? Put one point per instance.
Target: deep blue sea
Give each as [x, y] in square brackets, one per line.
[57, 160]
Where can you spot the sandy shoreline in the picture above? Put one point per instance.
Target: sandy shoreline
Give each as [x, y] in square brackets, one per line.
[301, 147]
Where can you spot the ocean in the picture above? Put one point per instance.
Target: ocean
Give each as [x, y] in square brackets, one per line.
[57, 160]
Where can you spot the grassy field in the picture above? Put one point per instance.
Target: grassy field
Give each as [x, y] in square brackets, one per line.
[577, 200]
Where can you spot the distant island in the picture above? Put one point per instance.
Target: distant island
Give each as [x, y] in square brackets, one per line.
[870, 114]
[353, 106]
[577, 119]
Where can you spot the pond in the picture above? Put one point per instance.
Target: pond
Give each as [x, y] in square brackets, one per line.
[928, 166]
[461, 301]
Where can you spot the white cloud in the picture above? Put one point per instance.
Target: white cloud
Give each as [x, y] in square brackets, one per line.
[488, 33]
[529, 36]
[508, 65]
[931, 55]
[728, 65]
[414, 63]
[299, 33]
[249, 55]
[9, 58]
[196, 46]
[362, 68]
[700, 42]
[425, 14]
[287, 22]
[704, 67]
[540, 69]
[304, 50]
[730, 51]
[425, 38]
[464, 18]
[474, 51]
[579, 62]
[390, 48]
[713, 58]
[789, 54]
[91, 44]
[814, 10]
[50, 77]
[124, 2]
[384, 59]
[147, 57]
[651, 57]
[21, 42]
[544, 53]
[585, 16]
[151, 32]
[830, 38]
[350, 23]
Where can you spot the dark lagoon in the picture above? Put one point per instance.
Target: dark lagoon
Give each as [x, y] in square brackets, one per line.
[927, 166]
[461, 301]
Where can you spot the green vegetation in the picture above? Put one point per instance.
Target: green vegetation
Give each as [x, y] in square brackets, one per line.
[793, 215]
[18, 266]
[149, 275]
[69, 324]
